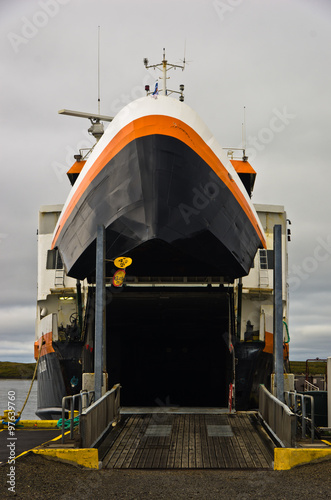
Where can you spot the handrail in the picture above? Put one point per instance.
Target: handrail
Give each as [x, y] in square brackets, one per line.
[292, 397]
[71, 400]
[278, 418]
[310, 387]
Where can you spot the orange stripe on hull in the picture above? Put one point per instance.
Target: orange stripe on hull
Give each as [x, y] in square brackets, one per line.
[269, 345]
[45, 343]
[159, 125]
[269, 342]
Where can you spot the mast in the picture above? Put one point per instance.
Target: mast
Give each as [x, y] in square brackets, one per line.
[164, 74]
[164, 67]
[98, 70]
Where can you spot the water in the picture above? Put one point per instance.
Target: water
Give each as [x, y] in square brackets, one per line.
[21, 389]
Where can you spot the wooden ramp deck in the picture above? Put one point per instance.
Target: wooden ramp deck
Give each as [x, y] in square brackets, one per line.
[190, 441]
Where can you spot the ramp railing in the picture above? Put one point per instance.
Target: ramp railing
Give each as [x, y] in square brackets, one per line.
[96, 420]
[278, 418]
[298, 402]
[85, 398]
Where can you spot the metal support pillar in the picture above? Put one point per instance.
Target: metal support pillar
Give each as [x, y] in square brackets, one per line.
[278, 315]
[79, 306]
[239, 307]
[328, 373]
[100, 318]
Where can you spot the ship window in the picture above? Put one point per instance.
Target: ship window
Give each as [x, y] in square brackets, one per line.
[266, 259]
[54, 260]
[47, 222]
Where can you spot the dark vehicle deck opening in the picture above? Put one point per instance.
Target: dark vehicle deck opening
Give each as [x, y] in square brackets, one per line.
[169, 347]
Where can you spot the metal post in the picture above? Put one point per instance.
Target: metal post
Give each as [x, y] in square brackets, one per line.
[100, 300]
[328, 374]
[79, 306]
[278, 314]
[239, 307]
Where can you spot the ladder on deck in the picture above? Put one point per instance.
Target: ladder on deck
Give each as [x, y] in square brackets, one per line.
[59, 271]
[59, 278]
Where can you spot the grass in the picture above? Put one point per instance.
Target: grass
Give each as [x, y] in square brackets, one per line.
[25, 370]
[314, 367]
[16, 370]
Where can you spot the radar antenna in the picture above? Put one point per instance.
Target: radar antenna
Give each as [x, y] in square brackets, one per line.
[96, 129]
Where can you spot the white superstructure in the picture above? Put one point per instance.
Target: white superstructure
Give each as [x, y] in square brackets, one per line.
[56, 292]
[257, 287]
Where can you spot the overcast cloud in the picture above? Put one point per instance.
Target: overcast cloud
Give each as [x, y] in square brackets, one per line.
[271, 56]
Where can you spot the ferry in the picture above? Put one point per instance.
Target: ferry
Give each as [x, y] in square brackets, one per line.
[190, 325]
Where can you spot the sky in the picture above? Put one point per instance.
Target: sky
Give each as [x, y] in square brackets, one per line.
[270, 56]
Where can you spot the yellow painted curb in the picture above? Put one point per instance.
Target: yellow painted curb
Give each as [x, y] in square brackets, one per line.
[286, 458]
[87, 457]
[37, 424]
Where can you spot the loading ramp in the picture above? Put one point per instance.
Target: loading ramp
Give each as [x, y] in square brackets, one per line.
[193, 440]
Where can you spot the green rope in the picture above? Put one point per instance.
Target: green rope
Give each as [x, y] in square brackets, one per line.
[67, 423]
[288, 335]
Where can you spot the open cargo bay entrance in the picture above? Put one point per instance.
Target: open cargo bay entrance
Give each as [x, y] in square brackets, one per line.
[170, 346]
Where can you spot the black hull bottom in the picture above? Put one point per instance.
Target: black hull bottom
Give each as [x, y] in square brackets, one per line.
[51, 388]
[54, 378]
[51, 413]
[254, 368]
[165, 207]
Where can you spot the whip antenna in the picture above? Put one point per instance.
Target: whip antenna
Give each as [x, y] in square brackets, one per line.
[98, 70]
[245, 158]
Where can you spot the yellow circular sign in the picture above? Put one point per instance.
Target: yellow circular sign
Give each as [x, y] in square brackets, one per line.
[122, 262]
[118, 277]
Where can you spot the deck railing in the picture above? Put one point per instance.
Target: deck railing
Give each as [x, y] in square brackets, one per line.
[278, 418]
[310, 387]
[95, 420]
